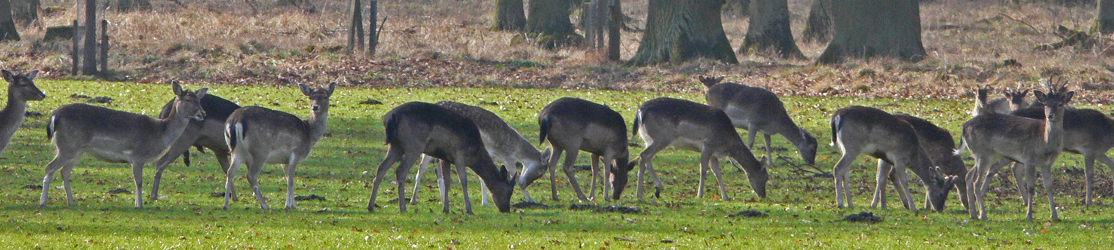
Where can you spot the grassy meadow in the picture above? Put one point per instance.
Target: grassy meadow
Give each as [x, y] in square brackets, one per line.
[800, 207]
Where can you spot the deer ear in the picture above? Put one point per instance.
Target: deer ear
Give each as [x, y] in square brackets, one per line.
[31, 75]
[306, 90]
[548, 152]
[1040, 96]
[7, 75]
[332, 86]
[177, 89]
[201, 93]
[1068, 96]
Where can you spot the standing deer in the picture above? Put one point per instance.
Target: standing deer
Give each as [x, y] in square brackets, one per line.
[571, 125]
[759, 110]
[864, 130]
[999, 105]
[684, 124]
[417, 128]
[258, 135]
[1017, 98]
[501, 141]
[1087, 132]
[208, 133]
[940, 146]
[992, 138]
[115, 136]
[21, 88]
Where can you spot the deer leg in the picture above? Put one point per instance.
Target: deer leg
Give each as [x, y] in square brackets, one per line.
[769, 158]
[1089, 173]
[608, 168]
[255, 166]
[223, 161]
[1031, 188]
[751, 134]
[463, 175]
[1106, 161]
[570, 159]
[484, 194]
[595, 173]
[972, 187]
[553, 171]
[418, 177]
[443, 183]
[1046, 176]
[703, 177]
[179, 147]
[230, 174]
[61, 158]
[842, 168]
[714, 163]
[881, 174]
[646, 158]
[1019, 179]
[394, 154]
[289, 169]
[67, 171]
[511, 162]
[401, 172]
[961, 191]
[137, 178]
[901, 183]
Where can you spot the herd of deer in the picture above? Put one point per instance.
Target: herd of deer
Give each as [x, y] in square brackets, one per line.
[1004, 130]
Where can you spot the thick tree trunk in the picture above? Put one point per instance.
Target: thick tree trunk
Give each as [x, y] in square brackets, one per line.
[89, 63]
[818, 27]
[874, 28]
[549, 23]
[25, 11]
[509, 15]
[1104, 20]
[679, 30]
[355, 26]
[769, 30]
[7, 24]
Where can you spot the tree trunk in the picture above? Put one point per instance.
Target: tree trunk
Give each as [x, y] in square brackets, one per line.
[509, 15]
[769, 30]
[549, 23]
[1104, 20]
[355, 27]
[818, 27]
[25, 11]
[7, 24]
[132, 5]
[874, 28]
[679, 30]
[89, 62]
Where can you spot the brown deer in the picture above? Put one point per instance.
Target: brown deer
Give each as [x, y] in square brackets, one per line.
[571, 125]
[417, 128]
[1087, 132]
[208, 133]
[501, 141]
[663, 122]
[257, 136]
[994, 139]
[21, 88]
[864, 130]
[115, 136]
[940, 146]
[999, 105]
[759, 110]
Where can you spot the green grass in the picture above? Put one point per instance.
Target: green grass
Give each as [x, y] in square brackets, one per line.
[801, 208]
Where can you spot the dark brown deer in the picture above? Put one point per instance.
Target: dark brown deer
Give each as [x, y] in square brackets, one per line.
[759, 110]
[1087, 132]
[21, 88]
[208, 133]
[940, 146]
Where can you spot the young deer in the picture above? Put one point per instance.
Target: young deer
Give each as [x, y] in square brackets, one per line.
[663, 121]
[940, 146]
[417, 128]
[258, 135]
[208, 133]
[995, 138]
[115, 136]
[1087, 132]
[858, 130]
[501, 141]
[21, 88]
[759, 110]
[1000, 105]
[571, 125]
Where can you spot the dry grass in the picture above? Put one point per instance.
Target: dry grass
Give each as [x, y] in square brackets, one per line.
[447, 43]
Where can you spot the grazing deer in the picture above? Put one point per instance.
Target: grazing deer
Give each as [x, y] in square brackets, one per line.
[995, 138]
[258, 135]
[940, 146]
[864, 130]
[571, 125]
[417, 128]
[759, 110]
[501, 141]
[21, 88]
[208, 133]
[115, 136]
[688, 125]
[1087, 132]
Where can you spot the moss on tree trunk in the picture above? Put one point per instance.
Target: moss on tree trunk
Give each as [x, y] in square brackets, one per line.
[549, 23]
[679, 30]
[874, 28]
[769, 30]
[818, 27]
[509, 15]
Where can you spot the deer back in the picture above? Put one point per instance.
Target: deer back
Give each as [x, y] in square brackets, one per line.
[496, 133]
[597, 125]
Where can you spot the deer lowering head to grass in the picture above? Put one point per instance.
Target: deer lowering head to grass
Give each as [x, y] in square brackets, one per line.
[21, 88]
[115, 136]
[759, 110]
[994, 139]
[258, 135]
[1087, 132]
[571, 125]
[417, 128]
[207, 133]
[501, 141]
[940, 146]
[662, 122]
[864, 130]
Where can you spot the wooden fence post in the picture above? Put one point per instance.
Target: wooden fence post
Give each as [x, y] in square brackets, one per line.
[104, 48]
[89, 64]
[76, 48]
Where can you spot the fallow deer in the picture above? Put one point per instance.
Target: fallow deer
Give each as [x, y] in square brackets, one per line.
[115, 136]
[1087, 132]
[864, 130]
[257, 136]
[21, 88]
[663, 122]
[1000, 137]
[417, 128]
[208, 133]
[940, 146]
[759, 110]
[571, 125]
[501, 141]
[999, 105]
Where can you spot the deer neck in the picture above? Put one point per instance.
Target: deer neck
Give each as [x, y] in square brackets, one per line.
[791, 132]
[14, 111]
[922, 166]
[171, 127]
[1054, 132]
[317, 124]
